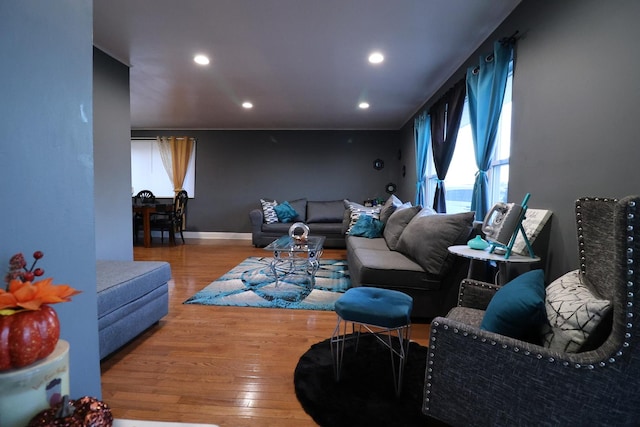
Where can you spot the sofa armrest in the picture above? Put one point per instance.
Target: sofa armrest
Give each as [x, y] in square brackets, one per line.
[476, 294]
[257, 218]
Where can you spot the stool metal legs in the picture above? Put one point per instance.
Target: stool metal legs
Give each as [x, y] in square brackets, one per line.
[397, 352]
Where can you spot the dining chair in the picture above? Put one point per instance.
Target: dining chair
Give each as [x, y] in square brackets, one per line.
[174, 220]
[143, 197]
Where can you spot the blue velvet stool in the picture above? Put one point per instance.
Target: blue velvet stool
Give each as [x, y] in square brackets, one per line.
[383, 313]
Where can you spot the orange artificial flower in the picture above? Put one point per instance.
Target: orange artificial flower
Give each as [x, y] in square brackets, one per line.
[30, 296]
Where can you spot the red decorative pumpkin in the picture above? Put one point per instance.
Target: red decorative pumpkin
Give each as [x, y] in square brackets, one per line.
[27, 336]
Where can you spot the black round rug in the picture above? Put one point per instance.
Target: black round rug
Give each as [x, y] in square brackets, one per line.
[365, 395]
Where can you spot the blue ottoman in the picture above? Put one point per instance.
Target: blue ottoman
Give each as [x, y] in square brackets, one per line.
[383, 313]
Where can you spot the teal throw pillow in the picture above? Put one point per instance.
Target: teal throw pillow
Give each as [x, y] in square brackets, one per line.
[285, 212]
[517, 310]
[367, 226]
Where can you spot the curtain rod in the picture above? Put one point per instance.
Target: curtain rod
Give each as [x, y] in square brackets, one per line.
[511, 39]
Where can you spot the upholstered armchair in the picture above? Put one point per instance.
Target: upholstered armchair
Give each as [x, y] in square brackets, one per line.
[477, 377]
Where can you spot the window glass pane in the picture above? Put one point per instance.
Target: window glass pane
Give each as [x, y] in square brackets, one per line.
[148, 172]
[499, 184]
[461, 174]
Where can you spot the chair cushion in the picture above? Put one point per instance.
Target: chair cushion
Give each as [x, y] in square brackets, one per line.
[428, 235]
[573, 312]
[375, 306]
[517, 309]
[396, 223]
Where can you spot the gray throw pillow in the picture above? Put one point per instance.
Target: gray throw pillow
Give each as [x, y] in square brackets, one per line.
[389, 207]
[396, 224]
[300, 205]
[331, 211]
[426, 239]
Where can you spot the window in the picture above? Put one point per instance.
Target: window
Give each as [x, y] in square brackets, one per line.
[462, 170]
[148, 172]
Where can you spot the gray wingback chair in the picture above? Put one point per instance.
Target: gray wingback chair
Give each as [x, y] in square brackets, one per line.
[475, 377]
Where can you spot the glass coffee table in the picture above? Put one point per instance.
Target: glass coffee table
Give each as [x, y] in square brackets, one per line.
[294, 257]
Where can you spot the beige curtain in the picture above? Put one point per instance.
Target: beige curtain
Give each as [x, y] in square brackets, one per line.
[175, 153]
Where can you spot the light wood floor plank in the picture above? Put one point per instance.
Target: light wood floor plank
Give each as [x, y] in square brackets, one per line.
[231, 366]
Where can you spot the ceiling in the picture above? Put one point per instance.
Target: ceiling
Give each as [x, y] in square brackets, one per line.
[302, 63]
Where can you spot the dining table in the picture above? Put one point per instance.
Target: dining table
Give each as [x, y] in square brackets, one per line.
[146, 210]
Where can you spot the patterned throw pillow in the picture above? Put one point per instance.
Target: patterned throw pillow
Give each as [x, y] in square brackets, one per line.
[269, 213]
[356, 210]
[573, 313]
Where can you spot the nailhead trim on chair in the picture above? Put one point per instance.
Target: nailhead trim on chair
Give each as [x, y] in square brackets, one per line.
[631, 283]
[482, 285]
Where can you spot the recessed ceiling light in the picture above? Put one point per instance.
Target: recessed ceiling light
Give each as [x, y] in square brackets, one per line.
[376, 58]
[201, 59]
[363, 105]
[247, 105]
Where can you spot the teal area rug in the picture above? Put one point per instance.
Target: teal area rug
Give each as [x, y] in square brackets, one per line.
[251, 284]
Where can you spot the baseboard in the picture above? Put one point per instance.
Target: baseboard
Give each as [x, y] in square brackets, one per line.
[216, 235]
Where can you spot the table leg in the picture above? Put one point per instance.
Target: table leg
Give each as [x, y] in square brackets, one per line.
[274, 262]
[146, 223]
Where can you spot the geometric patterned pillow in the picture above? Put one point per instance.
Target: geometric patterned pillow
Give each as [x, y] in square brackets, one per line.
[573, 313]
[269, 213]
[356, 210]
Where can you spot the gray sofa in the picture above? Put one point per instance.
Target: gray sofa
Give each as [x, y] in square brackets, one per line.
[132, 296]
[411, 256]
[324, 218]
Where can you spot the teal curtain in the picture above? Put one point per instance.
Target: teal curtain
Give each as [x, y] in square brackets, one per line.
[422, 137]
[486, 85]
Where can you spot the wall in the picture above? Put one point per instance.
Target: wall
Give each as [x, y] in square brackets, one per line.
[47, 169]
[575, 98]
[112, 152]
[234, 169]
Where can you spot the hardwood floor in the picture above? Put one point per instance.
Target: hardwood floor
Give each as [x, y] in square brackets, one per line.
[231, 366]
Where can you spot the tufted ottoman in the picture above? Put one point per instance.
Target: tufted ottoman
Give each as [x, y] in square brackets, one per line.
[383, 313]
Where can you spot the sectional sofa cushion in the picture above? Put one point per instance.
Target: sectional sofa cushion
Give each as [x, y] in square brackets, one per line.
[329, 211]
[428, 235]
[300, 206]
[396, 223]
[389, 207]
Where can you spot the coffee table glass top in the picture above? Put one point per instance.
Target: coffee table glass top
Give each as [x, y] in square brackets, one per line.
[288, 244]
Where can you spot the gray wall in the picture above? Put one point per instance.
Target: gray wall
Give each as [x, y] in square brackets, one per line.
[47, 161]
[575, 107]
[112, 153]
[234, 169]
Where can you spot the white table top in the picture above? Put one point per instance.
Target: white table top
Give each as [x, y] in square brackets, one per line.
[485, 255]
